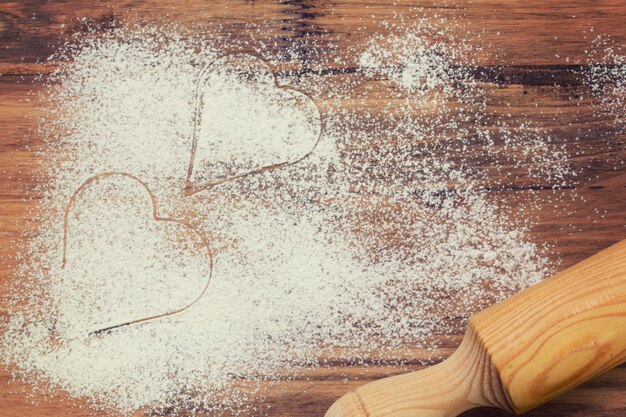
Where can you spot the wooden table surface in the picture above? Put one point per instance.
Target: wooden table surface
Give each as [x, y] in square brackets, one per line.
[526, 46]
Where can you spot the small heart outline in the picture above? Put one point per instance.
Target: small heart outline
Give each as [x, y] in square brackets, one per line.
[156, 218]
[190, 188]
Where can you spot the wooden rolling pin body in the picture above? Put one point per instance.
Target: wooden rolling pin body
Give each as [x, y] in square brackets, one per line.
[519, 353]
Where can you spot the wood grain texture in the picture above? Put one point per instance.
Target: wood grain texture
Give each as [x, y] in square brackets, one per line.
[466, 380]
[559, 333]
[522, 67]
[519, 353]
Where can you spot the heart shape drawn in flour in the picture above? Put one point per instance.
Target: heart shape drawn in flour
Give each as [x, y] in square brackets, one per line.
[123, 263]
[246, 123]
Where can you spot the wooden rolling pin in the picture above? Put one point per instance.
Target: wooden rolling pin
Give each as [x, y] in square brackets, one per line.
[519, 353]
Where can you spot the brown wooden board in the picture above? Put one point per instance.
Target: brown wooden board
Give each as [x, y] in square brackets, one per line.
[532, 51]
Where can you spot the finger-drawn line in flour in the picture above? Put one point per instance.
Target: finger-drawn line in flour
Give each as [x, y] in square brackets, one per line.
[203, 238]
[191, 186]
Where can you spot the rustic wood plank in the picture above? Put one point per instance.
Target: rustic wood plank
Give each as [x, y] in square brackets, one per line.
[528, 33]
[523, 64]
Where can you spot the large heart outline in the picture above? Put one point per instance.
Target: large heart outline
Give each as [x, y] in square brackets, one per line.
[157, 218]
[190, 186]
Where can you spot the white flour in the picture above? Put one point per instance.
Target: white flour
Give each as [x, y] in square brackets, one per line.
[286, 122]
[607, 79]
[364, 245]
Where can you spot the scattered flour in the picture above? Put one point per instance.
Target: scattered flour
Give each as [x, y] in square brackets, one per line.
[607, 79]
[373, 241]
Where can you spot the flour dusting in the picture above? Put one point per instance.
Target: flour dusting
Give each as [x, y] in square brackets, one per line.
[375, 226]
